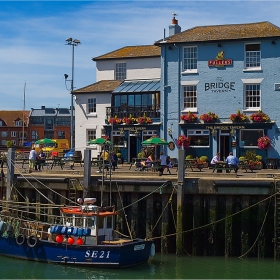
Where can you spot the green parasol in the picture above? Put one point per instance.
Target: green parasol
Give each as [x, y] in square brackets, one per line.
[155, 141]
[44, 141]
[100, 141]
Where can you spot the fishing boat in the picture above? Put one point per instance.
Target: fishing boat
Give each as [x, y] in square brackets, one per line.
[80, 233]
[83, 235]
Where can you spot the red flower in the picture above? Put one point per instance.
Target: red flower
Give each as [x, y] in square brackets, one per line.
[183, 141]
[189, 117]
[209, 117]
[264, 143]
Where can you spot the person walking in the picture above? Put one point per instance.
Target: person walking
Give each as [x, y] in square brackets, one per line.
[232, 161]
[32, 159]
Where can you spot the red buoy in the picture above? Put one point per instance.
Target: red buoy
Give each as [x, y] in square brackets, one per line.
[71, 240]
[80, 241]
[59, 238]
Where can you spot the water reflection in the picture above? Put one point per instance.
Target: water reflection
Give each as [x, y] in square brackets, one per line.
[161, 267]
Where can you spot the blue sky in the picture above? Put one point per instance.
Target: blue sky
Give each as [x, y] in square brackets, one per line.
[33, 34]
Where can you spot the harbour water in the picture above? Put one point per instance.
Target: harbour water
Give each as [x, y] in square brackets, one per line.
[160, 267]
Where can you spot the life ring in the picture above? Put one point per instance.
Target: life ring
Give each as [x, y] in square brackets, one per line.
[32, 241]
[20, 239]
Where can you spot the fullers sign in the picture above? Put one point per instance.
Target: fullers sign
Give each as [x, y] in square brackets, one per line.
[220, 61]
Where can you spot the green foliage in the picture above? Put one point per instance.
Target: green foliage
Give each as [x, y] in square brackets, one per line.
[251, 155]
[242, 158]
[9, 144]
[140, 155]
[259, 158]
[119, 155]
[204, 158]
[189, 157]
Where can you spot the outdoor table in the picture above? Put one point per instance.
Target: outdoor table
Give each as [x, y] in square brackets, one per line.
[222, 166]
[192, 163]
[58, 161]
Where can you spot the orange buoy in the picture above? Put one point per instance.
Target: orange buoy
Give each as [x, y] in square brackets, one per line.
[71, 240]
[59, 238]
[80, 241]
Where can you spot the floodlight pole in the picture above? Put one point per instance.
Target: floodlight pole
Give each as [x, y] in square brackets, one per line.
[73, 43]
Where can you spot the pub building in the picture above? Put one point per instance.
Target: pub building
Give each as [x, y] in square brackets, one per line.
[211, 73]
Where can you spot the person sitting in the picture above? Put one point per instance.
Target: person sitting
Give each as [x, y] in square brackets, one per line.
[168, 162]
[232, 161]
[215, 159]
[163, 163]
[40, 160]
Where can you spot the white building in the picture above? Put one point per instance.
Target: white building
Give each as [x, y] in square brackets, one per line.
[128, 63]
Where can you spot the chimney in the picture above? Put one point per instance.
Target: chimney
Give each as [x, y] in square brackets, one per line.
[174, 28]
[43, 107]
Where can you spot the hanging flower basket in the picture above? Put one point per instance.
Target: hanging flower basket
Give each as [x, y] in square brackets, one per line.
[189, 117]
[238, 117]
[259, 117]
[144, 120]
[264, 143]
[129, 120]
[209, 117]
[115, 120]
[183, 141]
[106, 137]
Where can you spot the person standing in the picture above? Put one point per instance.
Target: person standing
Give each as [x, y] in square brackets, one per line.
[232, 161]
[40, 160]
[163, 164]
[32, 159]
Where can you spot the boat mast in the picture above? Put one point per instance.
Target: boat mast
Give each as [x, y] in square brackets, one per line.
[23, 114]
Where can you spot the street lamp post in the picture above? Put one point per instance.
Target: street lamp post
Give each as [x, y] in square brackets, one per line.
[73, 43]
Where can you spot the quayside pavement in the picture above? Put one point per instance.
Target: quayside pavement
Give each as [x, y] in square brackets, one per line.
[126, 170]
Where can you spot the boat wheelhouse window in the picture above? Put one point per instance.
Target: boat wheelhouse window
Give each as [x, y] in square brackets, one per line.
[77, 222]
[91, 222]
[100, 222]
[109, 222]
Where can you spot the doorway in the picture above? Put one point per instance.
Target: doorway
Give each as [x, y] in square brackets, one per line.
[132, 147]
[224, 145]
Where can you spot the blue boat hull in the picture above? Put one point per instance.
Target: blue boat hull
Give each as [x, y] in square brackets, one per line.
[122, 255]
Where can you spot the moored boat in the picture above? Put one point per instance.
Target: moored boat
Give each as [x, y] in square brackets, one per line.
[79, 235]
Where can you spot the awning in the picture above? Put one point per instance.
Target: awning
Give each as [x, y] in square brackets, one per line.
[138, 86]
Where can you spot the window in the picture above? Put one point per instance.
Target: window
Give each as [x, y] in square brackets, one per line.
[4, 133]
[34, 134]
[61, 134]
[14, 142]
[190, 59]
[249, 137]
[199, 138]
[118, 138]
[91, 135]
[3, 142]
[91, 105]
[190, 97]
[148, 134]
[13, 134]
[252, 96]
[18, 123]
[120, 73]
[1, 123]
[252, 56]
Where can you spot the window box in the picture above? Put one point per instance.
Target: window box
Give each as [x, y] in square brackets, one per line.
[259, 117]
[209, 117]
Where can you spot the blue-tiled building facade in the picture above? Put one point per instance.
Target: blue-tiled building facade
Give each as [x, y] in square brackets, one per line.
[221, 69]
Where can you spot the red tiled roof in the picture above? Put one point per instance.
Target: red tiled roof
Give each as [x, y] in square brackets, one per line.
[9, 117]
[226, 32]
[131, 52]
[101, 86]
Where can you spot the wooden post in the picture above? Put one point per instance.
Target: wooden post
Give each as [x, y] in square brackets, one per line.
[87, 172]
[245, 216]
[180, 198]
[134, 208]
[164, 224]
[228, 227]
[10, 172]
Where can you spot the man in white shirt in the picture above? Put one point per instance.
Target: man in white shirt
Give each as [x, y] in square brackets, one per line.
[32, 159]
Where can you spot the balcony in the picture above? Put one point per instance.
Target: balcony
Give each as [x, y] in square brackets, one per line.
[151, 111]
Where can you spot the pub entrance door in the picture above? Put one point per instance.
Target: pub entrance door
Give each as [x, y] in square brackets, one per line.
[224, 145]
